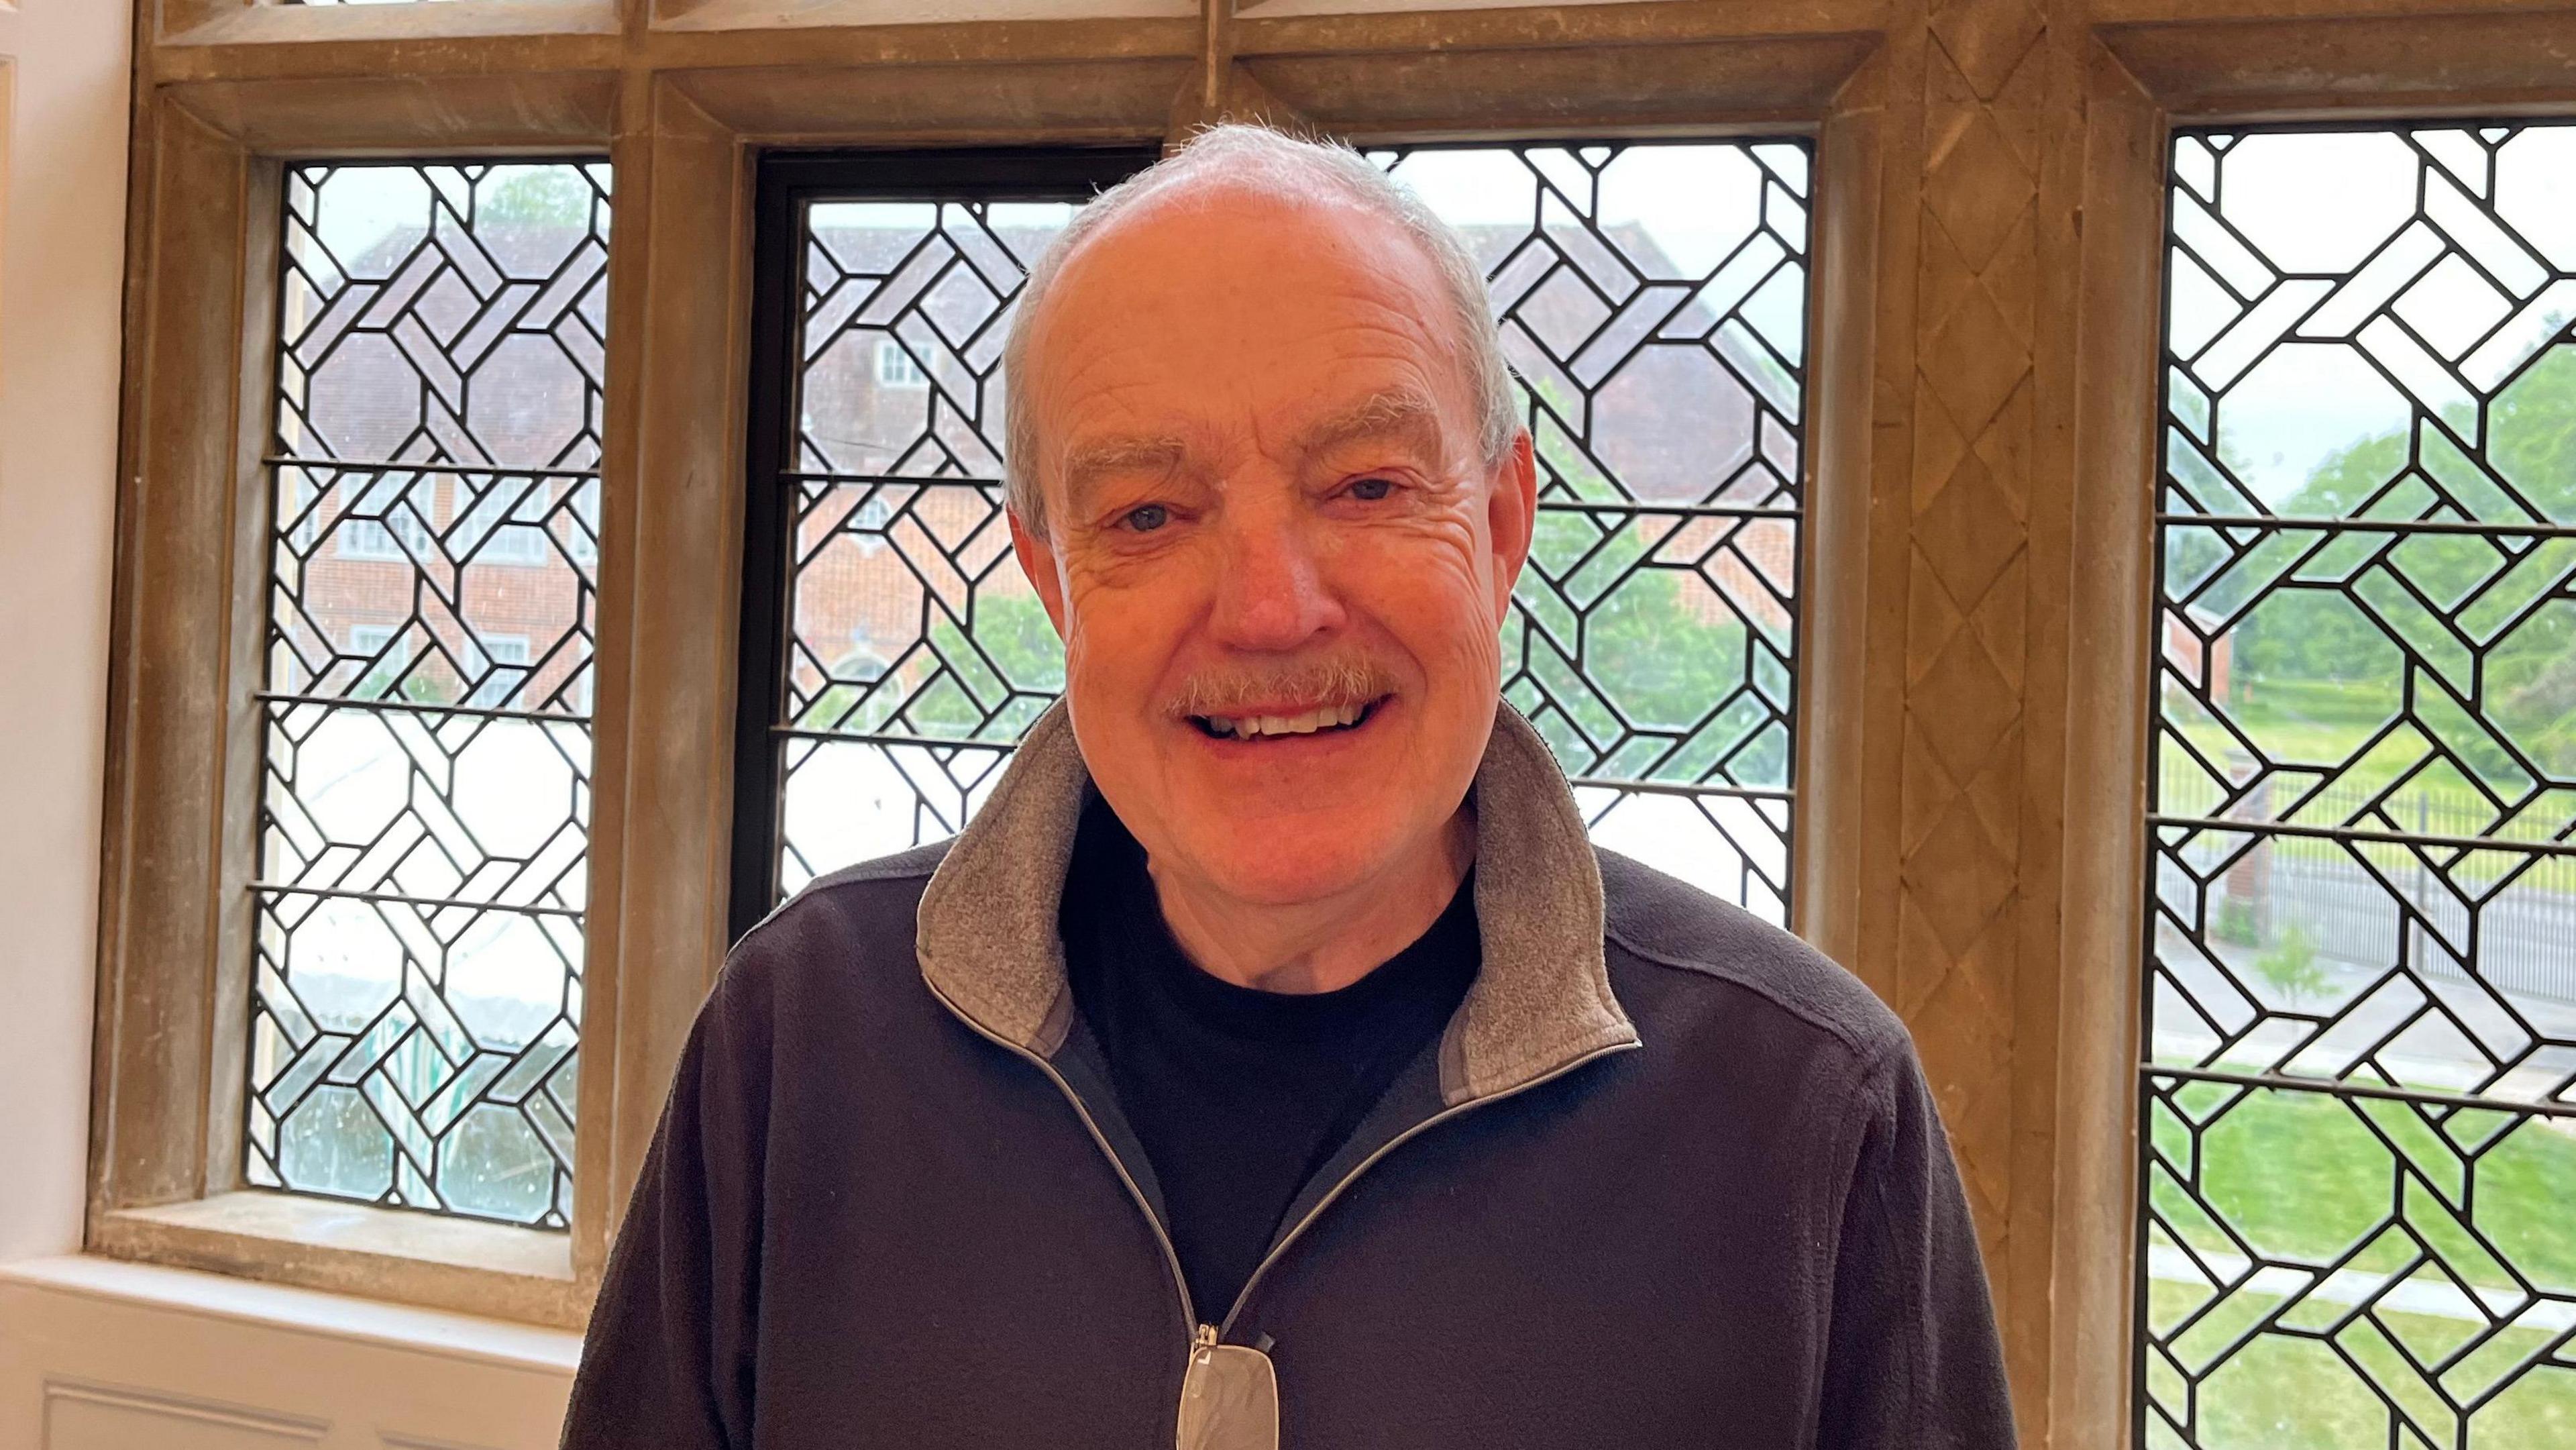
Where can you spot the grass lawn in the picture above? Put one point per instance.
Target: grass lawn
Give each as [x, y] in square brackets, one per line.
[2319, 743]
[2439, 800]
[2284, 1392]
[2302, 1176]
[2318, 725]
[2289, 738]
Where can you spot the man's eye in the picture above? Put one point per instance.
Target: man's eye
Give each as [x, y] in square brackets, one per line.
[1372, 489]
[1146, 518]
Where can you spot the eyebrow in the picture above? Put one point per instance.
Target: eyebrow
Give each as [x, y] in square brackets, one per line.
[1086, 464]
[1396, 413]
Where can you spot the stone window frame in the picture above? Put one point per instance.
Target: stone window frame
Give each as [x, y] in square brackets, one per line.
[1988, 203]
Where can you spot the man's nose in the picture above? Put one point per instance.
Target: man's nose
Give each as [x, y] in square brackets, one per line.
[1271, 593]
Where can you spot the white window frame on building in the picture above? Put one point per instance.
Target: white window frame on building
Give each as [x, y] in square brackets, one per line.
[898, 368]
[392, 520]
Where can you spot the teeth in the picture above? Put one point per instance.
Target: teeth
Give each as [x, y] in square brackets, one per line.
[1250, 727]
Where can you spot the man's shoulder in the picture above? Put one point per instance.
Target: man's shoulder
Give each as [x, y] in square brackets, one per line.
[850, 918]
[912, 866]
[1696, 945]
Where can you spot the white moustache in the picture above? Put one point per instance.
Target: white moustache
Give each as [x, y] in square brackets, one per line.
[1322, 684]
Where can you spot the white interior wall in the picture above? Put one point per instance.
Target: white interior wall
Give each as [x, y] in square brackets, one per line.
[62, 229]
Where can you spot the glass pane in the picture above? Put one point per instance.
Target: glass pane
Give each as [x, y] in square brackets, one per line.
[910, 626]
[426, 797]
[1653, 301]
[2364, 793]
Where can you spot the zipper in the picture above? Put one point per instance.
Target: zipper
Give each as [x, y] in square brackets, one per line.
[1201, 1335]
[1278, 1249]
[1204, 1337]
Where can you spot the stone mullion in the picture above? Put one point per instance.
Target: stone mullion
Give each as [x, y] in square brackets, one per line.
[1221, 88]
[1952, 959]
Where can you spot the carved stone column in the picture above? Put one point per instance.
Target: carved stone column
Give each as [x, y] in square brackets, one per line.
[1956, 918]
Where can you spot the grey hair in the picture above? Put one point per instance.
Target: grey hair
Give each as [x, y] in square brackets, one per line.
[1269, 162]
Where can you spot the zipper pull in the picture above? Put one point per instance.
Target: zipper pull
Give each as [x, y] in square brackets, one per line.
[1229, 1397]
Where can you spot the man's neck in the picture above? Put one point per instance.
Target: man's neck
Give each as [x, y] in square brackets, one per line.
[1325, 944]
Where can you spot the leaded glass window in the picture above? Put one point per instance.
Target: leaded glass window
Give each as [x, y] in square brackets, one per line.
[1653, 298]
[426, 703]
[2358, 1150]
[1653, 303]
[896, 648]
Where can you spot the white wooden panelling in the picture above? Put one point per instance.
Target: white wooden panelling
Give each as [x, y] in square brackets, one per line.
[107, 1417]
[96, 1355]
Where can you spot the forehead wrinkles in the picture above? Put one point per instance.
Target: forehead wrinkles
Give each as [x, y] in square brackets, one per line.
[1401, 415]
[1125, 430]
[1130, 329]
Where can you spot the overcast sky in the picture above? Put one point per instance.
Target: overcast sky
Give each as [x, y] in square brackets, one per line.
[2322, 202]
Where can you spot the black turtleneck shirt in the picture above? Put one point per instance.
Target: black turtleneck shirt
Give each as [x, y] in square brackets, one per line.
[1237, 1095]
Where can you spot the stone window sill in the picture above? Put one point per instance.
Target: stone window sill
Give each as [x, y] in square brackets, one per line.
[357, 1252]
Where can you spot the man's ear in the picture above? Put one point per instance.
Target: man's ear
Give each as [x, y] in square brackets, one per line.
[1511, 513]
[1037, 560]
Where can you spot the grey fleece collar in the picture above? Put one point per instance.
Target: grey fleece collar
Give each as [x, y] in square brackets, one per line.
[987, 928]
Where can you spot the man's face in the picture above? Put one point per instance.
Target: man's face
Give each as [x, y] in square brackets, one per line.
[1275, 553]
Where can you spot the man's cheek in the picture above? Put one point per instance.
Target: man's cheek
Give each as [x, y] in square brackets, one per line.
[1430, 579]
[1115, 653]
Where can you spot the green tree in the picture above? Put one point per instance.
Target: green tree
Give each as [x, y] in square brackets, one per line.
[1012, 666]
[2300, 650]
[990, 686]
[1662, 662]
[534, 196]
[2291, 965]
[1651, 660]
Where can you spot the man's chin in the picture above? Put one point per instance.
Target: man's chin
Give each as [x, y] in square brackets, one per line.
[1289, 863]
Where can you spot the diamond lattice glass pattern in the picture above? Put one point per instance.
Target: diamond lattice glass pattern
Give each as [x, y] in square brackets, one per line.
[2359, 1099]
[1653, 300]
[1653, 303]
[426, 798]
[916, 651]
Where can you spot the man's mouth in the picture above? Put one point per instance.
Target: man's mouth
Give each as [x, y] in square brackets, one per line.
[1319, 720]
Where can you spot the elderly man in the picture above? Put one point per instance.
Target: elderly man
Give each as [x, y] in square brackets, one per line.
[1274, 1062]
